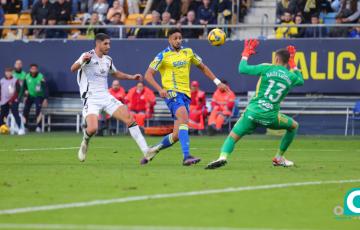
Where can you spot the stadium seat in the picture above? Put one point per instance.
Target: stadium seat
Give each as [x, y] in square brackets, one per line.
[355, 117]
[10, 19]
[131, 19]
[24, 19]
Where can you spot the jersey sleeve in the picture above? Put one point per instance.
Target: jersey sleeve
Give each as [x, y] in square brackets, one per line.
[299, 80]
[256, 70]
[112, 67]
[196, 59]
[157, 62]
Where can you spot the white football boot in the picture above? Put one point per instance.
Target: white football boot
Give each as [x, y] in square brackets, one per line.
[282, 161]
[82, 151]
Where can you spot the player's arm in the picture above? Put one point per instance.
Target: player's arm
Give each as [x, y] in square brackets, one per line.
[149, 77]
[83, 60]
[292, 65]
[249, 49]
[124, 76]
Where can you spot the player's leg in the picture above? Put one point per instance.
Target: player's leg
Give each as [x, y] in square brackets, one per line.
[4, 113]
[122, 113]
[291, 127]
[242, 127]
[15, 112]
[28, 103]
[90, 128]
[38, 107]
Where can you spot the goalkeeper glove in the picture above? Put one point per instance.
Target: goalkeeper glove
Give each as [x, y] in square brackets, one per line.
[249, 47]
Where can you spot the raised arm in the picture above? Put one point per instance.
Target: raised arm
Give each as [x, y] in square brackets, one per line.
[83, 60]
[298, 75]
[249, 49]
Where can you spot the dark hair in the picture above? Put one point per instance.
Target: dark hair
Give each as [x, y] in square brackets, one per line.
[287, 12]
[283, 54]
[35, 65]
[315, 15]
[173, 30]
[8, 69]
[101, 37]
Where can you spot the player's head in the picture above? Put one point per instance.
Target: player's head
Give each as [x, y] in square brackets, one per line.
[194, 86]
[8, 72]
[140, 86]
[115, 85]
[18, 64]
[102, 42]
[34, 69]
[282, 57]
[175, 38]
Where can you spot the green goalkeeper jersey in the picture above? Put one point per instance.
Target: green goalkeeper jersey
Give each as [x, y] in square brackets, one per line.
[274, 84]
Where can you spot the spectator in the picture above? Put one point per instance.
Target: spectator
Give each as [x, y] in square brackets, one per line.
[117, 91]
[141, 102]
[2, 19]
[54, 33]
[115, 32]
[166, 21]
[171, 6]
[13, 34]
[222, 105]
[191, 20]
[206, 15]
[62, 11]
[12, 6]
[93, 21]
[282, 7]
[198, 111]
[338, 32]
[9, 90]
[36, 92]
[283, 31]
[355, 33]
[20, 75]
[101, 7]
[117, 8]
[152, 33]
[354, 11]
[224, 12]
[306, 7]
[40, 12]
[133, 6]
[300, 30]
[315, 32]
[136, 32]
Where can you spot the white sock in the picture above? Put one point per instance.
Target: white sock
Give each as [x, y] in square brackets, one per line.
[139, 138]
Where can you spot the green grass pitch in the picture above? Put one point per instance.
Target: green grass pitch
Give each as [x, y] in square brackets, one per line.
[38, 170]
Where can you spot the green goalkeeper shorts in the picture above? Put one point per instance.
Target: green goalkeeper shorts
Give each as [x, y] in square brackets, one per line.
[249, 122]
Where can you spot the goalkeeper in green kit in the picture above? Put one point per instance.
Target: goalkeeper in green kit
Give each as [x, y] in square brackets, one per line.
[263, 110]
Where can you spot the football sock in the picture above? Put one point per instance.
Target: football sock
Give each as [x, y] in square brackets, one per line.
[86, 136]
[184, 140]
[286, 141]
[167, 141]
[138, 137]
[227, 148]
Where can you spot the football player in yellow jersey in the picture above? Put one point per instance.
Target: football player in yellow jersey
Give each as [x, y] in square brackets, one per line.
[174, 64]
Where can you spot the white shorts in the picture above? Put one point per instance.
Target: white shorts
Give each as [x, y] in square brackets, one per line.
[95, 105]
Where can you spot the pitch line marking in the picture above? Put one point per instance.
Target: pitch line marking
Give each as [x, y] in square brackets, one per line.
[119, 227]
[169, 195]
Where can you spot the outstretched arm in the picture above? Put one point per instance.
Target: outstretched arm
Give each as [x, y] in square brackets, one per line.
[249, 49]
[298, 75]
[124, 76]
[209, 74]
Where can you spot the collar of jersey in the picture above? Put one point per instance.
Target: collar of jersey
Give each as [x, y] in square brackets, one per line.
[172, 49]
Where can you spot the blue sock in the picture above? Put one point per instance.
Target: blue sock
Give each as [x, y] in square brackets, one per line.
[167, 141]
[184, 140]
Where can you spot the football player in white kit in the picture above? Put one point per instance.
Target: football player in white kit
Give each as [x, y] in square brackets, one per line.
[93, 68]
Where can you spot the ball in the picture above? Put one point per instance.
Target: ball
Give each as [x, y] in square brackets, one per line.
[4, 129]
[216, 37]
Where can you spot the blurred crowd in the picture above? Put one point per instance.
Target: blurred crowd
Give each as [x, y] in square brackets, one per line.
[117, 12]
[291, 12]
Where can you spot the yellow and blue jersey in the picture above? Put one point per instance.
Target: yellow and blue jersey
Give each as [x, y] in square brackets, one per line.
[174, 68]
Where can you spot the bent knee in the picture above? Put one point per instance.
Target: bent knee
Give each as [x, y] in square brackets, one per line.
[294, 125]
[91, 130]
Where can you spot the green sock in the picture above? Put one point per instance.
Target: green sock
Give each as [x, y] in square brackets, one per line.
[286, 141]
[228, 147]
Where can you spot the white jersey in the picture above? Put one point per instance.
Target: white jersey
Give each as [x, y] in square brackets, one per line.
[92, 76]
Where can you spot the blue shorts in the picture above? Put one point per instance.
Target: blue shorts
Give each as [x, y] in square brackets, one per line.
[176, 100]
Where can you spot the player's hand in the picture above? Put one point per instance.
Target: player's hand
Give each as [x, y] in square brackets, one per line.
[163, 93]
[87, 57]
[45, 103]
[292, 51]
[223, 87]
[137, 77]
[249, 47]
